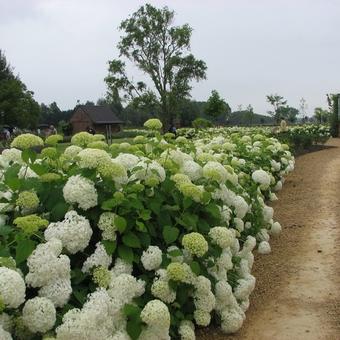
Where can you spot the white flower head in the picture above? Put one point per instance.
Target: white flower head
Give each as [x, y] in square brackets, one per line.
[80, 190]
[39, 314]
[12, 288]
[152, 258]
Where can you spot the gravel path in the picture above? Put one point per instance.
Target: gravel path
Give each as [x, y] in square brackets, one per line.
[297, 294]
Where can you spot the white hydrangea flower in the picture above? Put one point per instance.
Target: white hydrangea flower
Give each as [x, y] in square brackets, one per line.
[12, 288]
[263, 235]
[221, 236]
[248, 246]
[39, 314]
[99, 258]
[72, 151]
[177, 156]
[264, 248]
[107, 224]
[160, 289]
[232, 320]
[224, 296]
[225, 214]
[80, 190]
[151, 258]
[268, 213]
[99, 318]
[273, 197]
[275, 166]
[215, 171]
[149, 169]
[245, 287]
[124, 288]
[58, 291]
[26, 172]
[192, 169]
[12, 155]
[275, 229]
[4, 335]
[202, 318]
[74, 232]
[121, 267]
[187, 330]
[6, 322]
[128, 160]
[261, 177]
[156, 315]
[239, 224]
[278, 186]
[241, 206]
[46, 264]
[92, 158]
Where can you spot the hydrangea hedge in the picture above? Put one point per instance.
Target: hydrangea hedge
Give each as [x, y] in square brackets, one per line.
[145, 240]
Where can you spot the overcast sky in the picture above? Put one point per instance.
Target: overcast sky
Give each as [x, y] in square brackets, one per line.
[252, 48]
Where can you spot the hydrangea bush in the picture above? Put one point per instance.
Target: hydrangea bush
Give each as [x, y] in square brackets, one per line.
[144, 241]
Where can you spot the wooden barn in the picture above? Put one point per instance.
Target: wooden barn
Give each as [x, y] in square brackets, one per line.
[99, 118]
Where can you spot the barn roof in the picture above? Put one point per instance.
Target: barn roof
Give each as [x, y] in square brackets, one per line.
[100, 114]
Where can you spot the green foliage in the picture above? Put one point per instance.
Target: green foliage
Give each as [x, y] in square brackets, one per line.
[17, 105]
[216, 107]
[201, 123]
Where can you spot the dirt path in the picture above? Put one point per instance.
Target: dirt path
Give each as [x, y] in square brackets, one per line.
[297, 294]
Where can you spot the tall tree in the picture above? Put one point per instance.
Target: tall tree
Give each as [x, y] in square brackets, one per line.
[216, 107]
[17, 105]
[321, 115]
[161, 51]
[277, 102]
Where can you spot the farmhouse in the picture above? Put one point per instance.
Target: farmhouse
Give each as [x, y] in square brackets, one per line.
[100, 118]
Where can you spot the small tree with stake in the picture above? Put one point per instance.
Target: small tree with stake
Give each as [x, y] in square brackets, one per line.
[160, 51]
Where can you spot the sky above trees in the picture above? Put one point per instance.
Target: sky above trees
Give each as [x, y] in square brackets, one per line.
[61, 48]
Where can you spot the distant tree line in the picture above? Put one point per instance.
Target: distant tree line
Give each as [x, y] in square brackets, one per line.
[17, 105]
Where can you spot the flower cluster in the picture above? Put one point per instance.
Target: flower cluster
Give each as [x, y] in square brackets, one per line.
[26, 141]
[114, 242]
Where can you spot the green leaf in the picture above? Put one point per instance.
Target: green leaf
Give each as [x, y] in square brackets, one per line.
[134, 328]
[213, 210]
[120, 223]
[28, 155]
[141, 227]
[145, 214]
[39, 169]
[203, 226]
[5, 230]
[80, 295]
[195, 267]
[24, 249]
[175, 252]
[145, 239]
[108, 204]
[11, 177]
[125, 253]
[77, 276]
[59, 210]
[187, 202]
[131, 310]
[170, 234]
[155, 206]
[131, 240]
[110, 246]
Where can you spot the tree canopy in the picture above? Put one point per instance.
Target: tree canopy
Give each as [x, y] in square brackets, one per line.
[161, 51]
[17, 105]
[216, 107]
